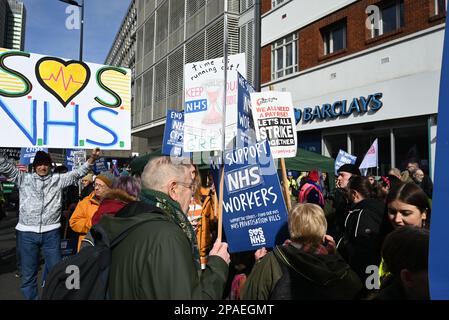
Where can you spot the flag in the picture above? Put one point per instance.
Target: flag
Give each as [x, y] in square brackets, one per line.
[370, 160]
[438, 257]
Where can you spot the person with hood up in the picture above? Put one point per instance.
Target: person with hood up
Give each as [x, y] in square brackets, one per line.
[308, 267]
[311, 192]
[40, 195]
[81, 219]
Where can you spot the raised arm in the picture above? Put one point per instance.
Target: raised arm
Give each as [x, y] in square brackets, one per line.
[73, 176]
[8, 169]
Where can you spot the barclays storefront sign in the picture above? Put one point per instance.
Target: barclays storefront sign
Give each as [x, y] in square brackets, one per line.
[340, 109]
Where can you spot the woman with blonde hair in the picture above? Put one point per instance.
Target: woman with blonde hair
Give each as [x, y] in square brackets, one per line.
[307, 267]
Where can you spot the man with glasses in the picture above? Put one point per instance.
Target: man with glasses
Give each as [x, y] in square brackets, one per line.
[418, 176]
[159, 258]
[81, 220]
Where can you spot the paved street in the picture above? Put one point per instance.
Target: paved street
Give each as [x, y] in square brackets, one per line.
[10, 284]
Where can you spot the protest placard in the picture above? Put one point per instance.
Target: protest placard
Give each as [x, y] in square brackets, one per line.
[254, 212]
[274, 120]
[245, 125]
[343, 158]
[27, 155]
[203, 110]
[57, 103]
[173, 142]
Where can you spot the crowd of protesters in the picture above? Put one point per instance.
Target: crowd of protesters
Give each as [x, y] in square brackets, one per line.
[172, 251]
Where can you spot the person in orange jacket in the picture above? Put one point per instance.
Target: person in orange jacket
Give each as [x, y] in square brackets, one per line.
[81, 220]
[201, 215]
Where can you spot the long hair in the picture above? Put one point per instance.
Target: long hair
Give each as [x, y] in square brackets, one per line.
[411, 194]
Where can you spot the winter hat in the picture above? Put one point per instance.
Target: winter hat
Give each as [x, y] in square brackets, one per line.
[106, 177]
[313, 176]
[350, 168]
[41, 158]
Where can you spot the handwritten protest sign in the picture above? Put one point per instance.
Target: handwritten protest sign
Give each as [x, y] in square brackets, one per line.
[274, 120]
[55, 103]
[173, 141]
[74, 158]
[27, 155]
[254, 212]
[343, 158]
[203, 110]
[245, 124]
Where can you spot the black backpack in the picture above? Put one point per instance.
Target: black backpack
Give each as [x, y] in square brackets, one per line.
[91, 264]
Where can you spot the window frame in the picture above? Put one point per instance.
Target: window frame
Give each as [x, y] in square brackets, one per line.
[398, 4]
[327, 33]
[277, 3]
[274, 56]
[437, 7]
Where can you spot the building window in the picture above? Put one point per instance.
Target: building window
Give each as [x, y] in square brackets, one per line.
[440, 6]
[334, 38]
[284, 56]
[277, 3]
[391, 18]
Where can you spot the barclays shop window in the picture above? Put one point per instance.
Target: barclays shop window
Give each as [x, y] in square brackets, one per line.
[391, 18]
[284, 56]
[334, 38]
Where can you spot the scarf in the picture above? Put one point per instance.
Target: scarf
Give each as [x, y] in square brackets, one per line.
[173, 211]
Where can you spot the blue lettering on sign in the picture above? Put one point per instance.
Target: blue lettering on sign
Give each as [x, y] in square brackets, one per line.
[196, 106]
[341, 108]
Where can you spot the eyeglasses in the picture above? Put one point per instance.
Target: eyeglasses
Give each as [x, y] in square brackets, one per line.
[99, 186]
[191, 186]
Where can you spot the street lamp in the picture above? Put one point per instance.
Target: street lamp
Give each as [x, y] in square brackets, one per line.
[74, 3]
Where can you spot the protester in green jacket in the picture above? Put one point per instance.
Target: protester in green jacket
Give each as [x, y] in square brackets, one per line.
[308, 267]
[159, 259]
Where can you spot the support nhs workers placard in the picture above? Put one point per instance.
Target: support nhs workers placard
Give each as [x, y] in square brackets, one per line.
[245, 123]
[254, 212]
[173, 142]
[438, 255]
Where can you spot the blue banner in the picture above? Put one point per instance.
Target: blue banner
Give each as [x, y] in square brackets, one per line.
[27, 154]
[173, 141]
[343, 158]
[245, 123]
[100, 165]
[254, 212]
[438, 255]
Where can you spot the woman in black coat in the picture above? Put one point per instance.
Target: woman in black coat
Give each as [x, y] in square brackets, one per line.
[361, 243]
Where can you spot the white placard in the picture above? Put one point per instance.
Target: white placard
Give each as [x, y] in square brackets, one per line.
[274, 120]
[57, 103]
[203, 109]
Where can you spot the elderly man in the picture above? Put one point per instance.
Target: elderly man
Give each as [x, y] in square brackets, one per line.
[39, 214]
[159, 257]
[423, 182]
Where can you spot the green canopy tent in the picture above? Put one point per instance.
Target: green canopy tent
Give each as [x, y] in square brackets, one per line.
[307, 161]
[138, 164]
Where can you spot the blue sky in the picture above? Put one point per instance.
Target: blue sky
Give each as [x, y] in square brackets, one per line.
[46, 31]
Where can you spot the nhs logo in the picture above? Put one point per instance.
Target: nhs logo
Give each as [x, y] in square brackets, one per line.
[256, 237]
[196, 106]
